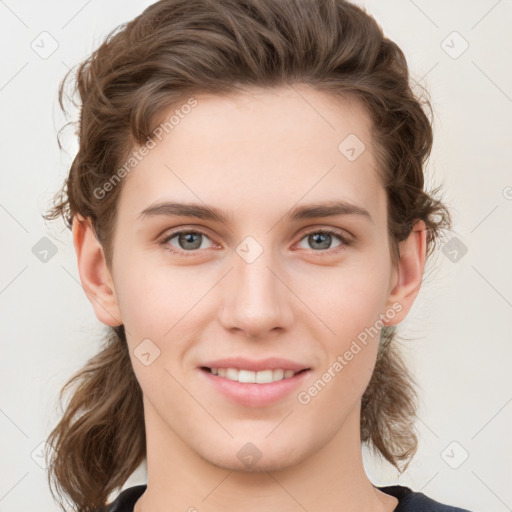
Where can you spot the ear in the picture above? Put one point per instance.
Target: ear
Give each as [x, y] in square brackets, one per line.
[409, 273]
[94, 273]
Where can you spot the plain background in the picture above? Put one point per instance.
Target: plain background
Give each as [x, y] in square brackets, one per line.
[460, 327]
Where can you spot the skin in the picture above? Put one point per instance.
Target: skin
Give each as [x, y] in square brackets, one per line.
[255, 155]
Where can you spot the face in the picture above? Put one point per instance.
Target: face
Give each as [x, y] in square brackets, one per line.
[258, 284]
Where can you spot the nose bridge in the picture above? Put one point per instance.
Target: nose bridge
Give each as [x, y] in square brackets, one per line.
[256, 301]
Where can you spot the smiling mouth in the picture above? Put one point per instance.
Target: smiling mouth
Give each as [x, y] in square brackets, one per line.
[253, 377]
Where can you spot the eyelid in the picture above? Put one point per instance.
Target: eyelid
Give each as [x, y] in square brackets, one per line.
[343, 233]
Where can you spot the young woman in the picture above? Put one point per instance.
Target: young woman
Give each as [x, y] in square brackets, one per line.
[250, 221]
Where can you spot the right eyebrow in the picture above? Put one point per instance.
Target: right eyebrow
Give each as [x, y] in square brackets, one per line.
[169, 208]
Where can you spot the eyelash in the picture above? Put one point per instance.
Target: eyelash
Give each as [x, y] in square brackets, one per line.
[346, 242]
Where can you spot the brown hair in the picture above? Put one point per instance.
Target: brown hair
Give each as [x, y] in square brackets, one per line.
[174, 49]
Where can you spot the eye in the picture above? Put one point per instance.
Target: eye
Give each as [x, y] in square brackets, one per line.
[187, 241]
[322, 238]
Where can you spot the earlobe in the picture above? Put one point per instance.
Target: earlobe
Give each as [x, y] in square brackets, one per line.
[94, 273]
[409, 272]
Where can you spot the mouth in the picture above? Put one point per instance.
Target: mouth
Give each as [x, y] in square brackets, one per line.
[252, 383]
[267, 376]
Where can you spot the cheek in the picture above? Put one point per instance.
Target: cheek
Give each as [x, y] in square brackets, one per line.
[163, 304]
[350, 304]
[350, 307]
[349, 300]
[150, 295]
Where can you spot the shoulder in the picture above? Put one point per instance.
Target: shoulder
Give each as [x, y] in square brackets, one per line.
[411, 501]
[126, 500]
[408, 500]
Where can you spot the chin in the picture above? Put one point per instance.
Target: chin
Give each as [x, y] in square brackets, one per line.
[256, 456]
[264, 465]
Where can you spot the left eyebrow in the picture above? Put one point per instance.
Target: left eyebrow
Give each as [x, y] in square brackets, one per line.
[309, 211]
[328, 209]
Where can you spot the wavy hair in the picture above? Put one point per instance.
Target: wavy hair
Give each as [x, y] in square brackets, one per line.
[176, 48]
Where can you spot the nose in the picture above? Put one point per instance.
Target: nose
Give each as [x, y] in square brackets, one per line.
[256, 298]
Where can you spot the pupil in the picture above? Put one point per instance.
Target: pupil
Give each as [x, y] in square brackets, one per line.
[319, 238]
[189, 238]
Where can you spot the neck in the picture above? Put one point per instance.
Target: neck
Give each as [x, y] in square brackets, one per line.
[332, 477]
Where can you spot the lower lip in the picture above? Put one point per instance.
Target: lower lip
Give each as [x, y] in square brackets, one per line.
[255, 395]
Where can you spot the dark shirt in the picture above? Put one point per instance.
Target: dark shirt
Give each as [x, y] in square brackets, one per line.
[408, 500]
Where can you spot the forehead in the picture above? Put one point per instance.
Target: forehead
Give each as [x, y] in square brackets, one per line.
[261, 150]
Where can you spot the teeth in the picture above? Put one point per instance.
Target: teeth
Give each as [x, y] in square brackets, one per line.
[261, 377]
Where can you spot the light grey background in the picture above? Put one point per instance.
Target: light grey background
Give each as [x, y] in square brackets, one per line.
[460, 326]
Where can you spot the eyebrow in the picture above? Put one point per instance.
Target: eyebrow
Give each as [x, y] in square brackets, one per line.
[309, 211]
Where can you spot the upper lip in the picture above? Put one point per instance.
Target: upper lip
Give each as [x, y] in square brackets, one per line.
[271, 363]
